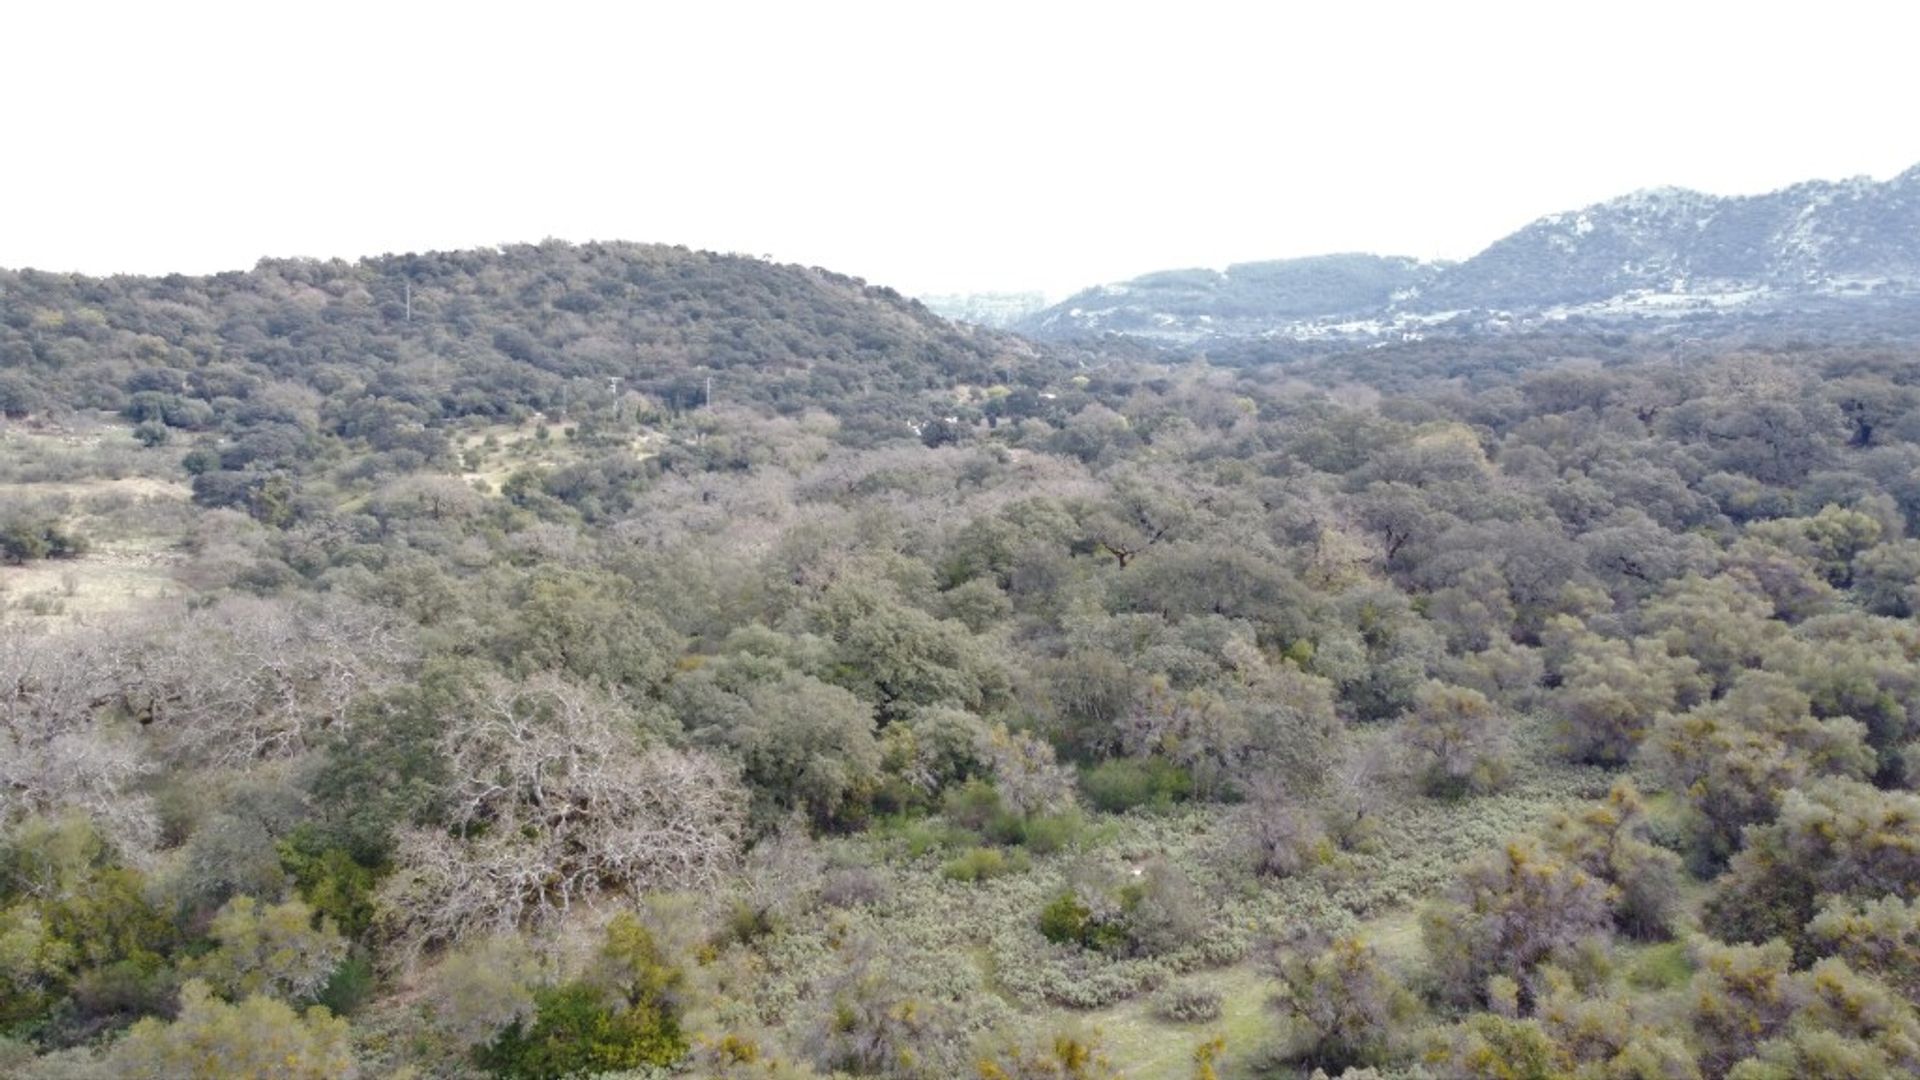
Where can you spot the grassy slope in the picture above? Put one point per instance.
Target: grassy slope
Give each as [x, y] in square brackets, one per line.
[130, 502]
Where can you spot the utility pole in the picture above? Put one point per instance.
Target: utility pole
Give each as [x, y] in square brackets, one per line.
[709, 398]
[409, 288]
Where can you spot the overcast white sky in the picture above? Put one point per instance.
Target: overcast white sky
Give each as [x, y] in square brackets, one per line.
[930, 146]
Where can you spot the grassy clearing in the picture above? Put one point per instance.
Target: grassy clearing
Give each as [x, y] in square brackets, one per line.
[1396, 936]
[80, 449]
[110, 580]
[130, 487]
[1146, 1047]
[129, 502]
[493, 452]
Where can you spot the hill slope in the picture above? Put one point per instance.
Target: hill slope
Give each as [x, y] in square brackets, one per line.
[479, 331]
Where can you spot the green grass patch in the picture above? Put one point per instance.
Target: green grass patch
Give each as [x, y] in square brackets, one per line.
[1146, 1047]
[1659, 967]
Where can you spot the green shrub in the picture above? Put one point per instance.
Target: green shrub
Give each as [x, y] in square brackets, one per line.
[125, 988]
[974, 805]
[1065, 919]
[1045, 834]
[746, 923]
[1189, 1003]
[982, 863]
[330, 880]
[351, 986]
[918, 836]
[25, 541]
[256, 1037]
[975, 809]
[574, 1032]
[1123, 784]
[1489, 1047]
[620, 1015]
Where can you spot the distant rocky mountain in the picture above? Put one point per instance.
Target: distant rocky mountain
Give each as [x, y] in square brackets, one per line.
[995, 309]
[1661, 254]
[1245, 298]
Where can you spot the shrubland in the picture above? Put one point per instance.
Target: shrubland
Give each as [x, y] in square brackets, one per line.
[923, 702]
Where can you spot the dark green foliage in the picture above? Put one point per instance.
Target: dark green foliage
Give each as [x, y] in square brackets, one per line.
[1067, 921]
[387, 772]
[1064, 920]
[24, 541]
[977, 808]
[79, 930]
[19, 398]
[622, 1015]
[1046, 834]
[766, 334]
[331, 880]
[1151, 911]
[588, 625]
[352, 985]
[1124, 784]
[803, 741]
[576, 1032]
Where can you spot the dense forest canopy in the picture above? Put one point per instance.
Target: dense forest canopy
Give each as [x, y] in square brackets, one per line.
[624, 660]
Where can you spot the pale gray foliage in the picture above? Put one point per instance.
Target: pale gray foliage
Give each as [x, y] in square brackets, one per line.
[556, 803]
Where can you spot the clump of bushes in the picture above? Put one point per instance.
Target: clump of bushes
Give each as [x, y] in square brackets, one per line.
[852, 886]
[623, 1014]
[1067, 920]
[1123, 784]
[1156, 913]
[985, 863]
[978, 807]
[976, 819]
[1188, 1003]
[24, 540]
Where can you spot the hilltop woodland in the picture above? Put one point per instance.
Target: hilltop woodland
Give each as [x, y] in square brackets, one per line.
[622, 660]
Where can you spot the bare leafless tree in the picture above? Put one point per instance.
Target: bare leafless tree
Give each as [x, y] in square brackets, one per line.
[249, 679]
[54, 754]
[556, 803]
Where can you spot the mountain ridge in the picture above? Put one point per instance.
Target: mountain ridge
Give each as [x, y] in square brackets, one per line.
[1655, 253]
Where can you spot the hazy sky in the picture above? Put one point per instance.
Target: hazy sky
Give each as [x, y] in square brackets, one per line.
[930, 146]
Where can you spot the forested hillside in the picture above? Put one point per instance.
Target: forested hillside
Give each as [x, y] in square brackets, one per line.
[411, 668]
[383, 346]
